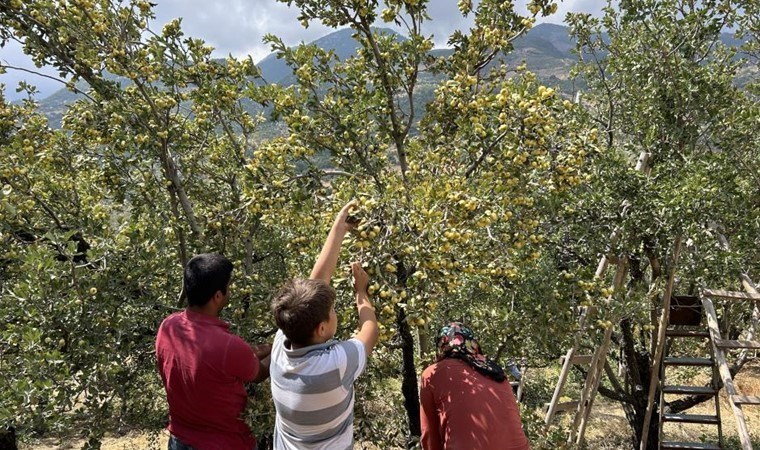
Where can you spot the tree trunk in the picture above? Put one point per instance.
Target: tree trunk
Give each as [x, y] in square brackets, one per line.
[637, 424]
[638, 372]
[638, 359]
[409, 378]
[8, 439]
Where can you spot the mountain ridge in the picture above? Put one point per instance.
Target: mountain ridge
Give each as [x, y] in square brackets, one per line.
[546, 50]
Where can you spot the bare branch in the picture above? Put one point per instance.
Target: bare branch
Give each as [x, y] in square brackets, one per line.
[40, 74]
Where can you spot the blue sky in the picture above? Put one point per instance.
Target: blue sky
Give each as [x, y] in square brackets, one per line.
[237, 27]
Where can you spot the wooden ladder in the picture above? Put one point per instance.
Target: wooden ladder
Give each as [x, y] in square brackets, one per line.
[598, 359]
[595, 361]
[720, 346]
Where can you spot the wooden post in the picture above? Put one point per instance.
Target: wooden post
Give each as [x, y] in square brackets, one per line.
[657, 360]
[725, 374]
[643, 162]
[750, 287]
[589, 391]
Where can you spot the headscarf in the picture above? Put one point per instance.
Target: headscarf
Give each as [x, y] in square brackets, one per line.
[456, 340]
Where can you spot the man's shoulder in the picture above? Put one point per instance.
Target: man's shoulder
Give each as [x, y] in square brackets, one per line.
[175, 316]
[171, 321]
[234, 340]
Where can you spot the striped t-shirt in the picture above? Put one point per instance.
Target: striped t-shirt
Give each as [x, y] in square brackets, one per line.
[313, 392]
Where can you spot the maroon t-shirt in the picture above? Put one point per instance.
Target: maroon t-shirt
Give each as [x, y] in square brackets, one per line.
[463, 409]
[203, 367]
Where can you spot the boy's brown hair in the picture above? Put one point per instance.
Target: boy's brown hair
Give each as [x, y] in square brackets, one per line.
[300, 306]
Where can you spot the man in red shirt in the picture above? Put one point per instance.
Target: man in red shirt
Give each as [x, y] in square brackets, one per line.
[204, 366]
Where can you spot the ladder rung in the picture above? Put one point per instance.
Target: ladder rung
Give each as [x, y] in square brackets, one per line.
[578, 359]
[689, 390]
[746, 399]
[686, 333]
[731, 295]
[688, 446]
[691, 418]
[726, 343]
[702, 362]
[566, 406]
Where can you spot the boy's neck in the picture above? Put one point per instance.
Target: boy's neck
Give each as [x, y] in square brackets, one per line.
[314, 341]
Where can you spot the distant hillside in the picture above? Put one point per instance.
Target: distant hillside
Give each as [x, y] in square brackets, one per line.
[54, 106]
[545, 46]
[545, 49]
[274, 69]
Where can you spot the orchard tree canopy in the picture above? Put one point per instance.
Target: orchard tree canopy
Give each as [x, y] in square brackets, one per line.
[98, 218]
[489, 203]
[662, 81]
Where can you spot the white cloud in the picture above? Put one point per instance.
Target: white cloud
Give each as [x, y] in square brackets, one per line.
[238, 27]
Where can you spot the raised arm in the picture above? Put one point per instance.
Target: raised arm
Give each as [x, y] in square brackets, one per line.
[328, 257]
[368, 330]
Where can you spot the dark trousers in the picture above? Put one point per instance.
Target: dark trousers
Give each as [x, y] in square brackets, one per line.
[176, 444]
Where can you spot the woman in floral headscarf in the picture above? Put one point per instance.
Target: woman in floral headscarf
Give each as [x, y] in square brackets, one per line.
[466, 405]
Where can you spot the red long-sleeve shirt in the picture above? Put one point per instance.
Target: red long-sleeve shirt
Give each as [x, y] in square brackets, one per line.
[465, 410]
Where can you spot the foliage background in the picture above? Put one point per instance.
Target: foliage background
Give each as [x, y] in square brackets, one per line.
[489, 202]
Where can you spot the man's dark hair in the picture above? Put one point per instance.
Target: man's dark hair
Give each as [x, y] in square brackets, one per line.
[204, 275]
[300, 306]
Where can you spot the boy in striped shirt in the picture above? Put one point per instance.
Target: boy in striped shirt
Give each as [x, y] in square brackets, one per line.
[313, 374]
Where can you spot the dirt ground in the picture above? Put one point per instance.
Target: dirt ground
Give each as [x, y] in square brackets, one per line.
[130, 441]
[607, 430]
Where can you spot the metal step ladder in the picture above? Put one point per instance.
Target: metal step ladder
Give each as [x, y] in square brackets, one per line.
[687, 330]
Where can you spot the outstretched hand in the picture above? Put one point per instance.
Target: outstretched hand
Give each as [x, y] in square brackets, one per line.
[368, 328]
[343, 221]
[361, 279]
[328, 257]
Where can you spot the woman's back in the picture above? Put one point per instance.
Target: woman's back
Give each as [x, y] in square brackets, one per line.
[466, 410]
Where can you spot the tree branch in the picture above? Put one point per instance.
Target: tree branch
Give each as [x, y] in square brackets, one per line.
[40, 74]
[485, 153]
